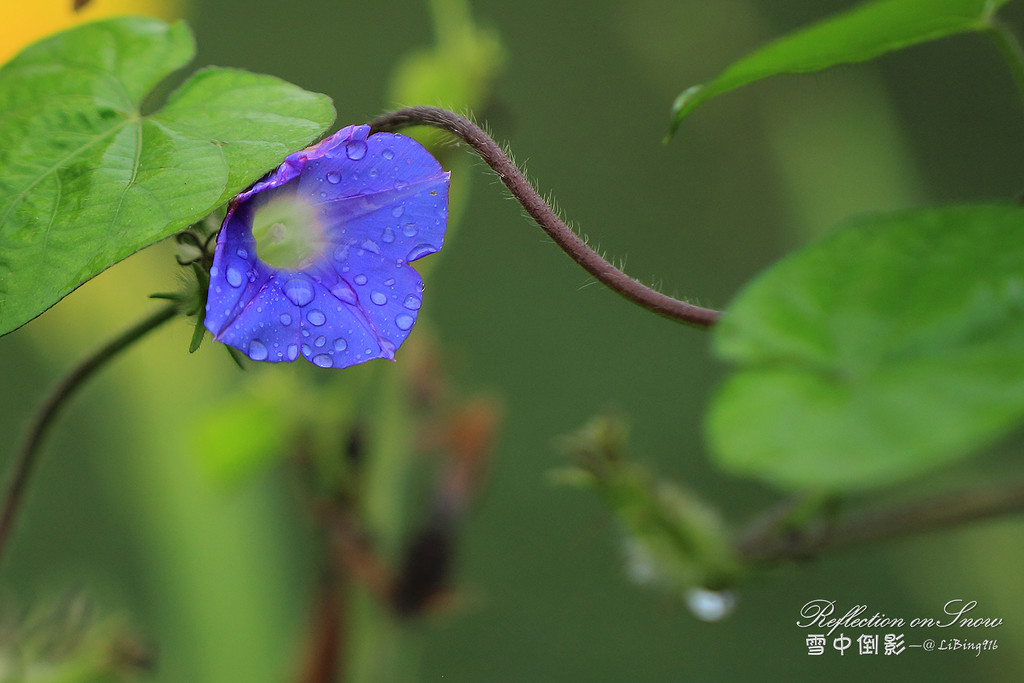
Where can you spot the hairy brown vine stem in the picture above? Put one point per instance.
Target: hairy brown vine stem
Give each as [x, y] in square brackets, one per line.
[546, 218]
[28, 455]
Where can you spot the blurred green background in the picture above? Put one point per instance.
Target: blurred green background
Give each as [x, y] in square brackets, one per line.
[221, 576]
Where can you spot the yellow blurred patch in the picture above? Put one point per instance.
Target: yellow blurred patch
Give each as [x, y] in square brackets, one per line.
[25, 21]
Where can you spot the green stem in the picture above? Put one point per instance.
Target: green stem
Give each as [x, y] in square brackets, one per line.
[1009, 47]
[768, 543]
[28, 455]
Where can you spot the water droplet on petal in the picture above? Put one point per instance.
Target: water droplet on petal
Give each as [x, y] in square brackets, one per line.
[316, 318]
[360, 279]
[355, 149]
[390, 282]
[320, 341]
[419, 251]
[340, 344]
[344, 293]
[401, 184]
[409, 229]
[293, 352]
[378, 298]
[388, 154]
[286, 319]
[710, 605]
[371, 246]
[306, 349]
[322, 360]
[234, 277]
[333, 178]
[242, 253]
[257, 351]
[388, 236]
[298, 290]
[341, 253]
[412, 302]
[398, 211]
[214, 271]
[404, 322]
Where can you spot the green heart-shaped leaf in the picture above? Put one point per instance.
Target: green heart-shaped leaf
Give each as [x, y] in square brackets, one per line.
[890, 348]
[88, 176]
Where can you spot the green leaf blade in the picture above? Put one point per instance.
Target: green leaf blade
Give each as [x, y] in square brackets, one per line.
[860, 34]
[887, 350]
[86, 179]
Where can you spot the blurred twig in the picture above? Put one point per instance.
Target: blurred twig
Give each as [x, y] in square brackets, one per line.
[27, 455]
[769, 543]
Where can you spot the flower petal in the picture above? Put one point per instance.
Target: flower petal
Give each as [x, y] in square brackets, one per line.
[384, 202]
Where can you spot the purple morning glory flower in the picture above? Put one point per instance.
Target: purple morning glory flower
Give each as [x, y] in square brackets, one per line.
[338, 225]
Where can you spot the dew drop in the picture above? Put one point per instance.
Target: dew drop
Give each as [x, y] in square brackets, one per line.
[316, 318]
[333, 178]
[242, 253]
[388, 154]
[322, 360]
[401, 184]
[257, 351]
[412, 302]
[340, 344]
[409, 229]
[404, 322]
[355, 149]
[371, 246]
[419, 251]
[341, 253]
[298, 290]
[360, 279]
[286, 319]
[293, 352]
[373, 172]
[398, 211]
[306, 350]
[343, 292]
[214, 271]
[388, 236]
[378, 298]
[320, 341]
[390, 282]
[234, 277]
[710, 605]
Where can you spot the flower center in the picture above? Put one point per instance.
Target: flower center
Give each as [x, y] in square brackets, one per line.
[288, 233]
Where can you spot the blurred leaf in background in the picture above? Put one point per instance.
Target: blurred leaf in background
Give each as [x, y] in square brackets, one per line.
[890, 348]
[864, 32]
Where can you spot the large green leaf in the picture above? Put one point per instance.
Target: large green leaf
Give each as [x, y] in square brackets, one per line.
[88, 176]
[890, 348]
[858, 35]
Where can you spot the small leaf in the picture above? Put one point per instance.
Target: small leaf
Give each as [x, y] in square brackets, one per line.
[88, 178]
[890, 348]
[862, 33]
